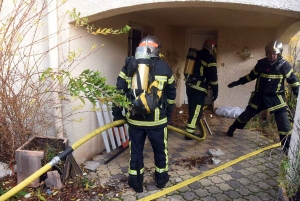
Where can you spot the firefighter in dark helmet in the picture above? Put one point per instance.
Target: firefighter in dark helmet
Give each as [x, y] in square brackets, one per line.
[203, 75]
[270, 74]
[152, 123]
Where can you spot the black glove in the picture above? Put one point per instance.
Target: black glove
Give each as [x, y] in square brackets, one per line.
[169, 113]
[233, 84]
[119, 117]
[215, 91]
[191, 80]
[215, 96]
[295, 91]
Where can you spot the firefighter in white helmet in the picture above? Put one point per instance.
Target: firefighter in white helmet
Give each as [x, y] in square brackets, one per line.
[270, 74]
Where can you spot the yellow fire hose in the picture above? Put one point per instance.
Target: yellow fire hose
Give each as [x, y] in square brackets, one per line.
[205, 174]
[70, 149]
[58, 158]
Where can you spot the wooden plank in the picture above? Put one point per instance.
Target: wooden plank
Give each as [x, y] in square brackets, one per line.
[107, 120]
[102, 123]
[122, 134]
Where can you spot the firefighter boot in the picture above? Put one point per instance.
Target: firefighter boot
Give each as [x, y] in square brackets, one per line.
[161, 179]
[136, 182]
[231, 130]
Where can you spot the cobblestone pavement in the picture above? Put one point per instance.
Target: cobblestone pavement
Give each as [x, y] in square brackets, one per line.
[251, 179]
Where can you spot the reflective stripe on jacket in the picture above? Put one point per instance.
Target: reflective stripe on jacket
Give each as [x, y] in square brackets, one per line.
[163, 74]
[270, 81]
[205, 71]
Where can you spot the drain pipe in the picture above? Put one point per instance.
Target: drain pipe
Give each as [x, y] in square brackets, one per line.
[53, 63]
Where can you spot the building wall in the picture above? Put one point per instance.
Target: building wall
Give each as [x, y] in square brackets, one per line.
[232, 65]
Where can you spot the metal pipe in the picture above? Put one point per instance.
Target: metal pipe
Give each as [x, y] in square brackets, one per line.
[207, 126]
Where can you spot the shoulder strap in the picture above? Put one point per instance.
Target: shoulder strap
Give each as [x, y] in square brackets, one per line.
[279, 65]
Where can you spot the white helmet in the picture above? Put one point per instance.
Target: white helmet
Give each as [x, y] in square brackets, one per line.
[274, 46]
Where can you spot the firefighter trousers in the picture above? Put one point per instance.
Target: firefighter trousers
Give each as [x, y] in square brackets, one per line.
[196, 100]
[159, 141]
[281, 118]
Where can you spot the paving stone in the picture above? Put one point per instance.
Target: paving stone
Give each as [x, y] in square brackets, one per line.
[229, 169]
[245, 164]
[201, 192]
[99, 158]
[244, 181]
[243, 191]
[221, 197]
[142, 195]
[234, 184]
[203, 168]
[263, 185]
[124, 169]
[253, 162]
[190, 195]
[224, 187]
[185, 177]
[91, 165]
[216, 179]
[236, 175]
[225, 177]
[176, 198]
[240, 199]
[261, 167]
[209, 198]
[272, 182]
[238, 167]
[206, 182]
[245, 172]
[271, 173]
[254, 178]
[176, 155]
[253, 169]
[233, 194]
[195, 185]
[253, 188]
[115, 171]
[264, 196]
[163, 199]
[184, 189]
[151, 186]
[213, 190]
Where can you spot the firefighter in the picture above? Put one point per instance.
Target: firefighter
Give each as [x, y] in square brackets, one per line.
[204, 74]
[270, 74]
[153, 125]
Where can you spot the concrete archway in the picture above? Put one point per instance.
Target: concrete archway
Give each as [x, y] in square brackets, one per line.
[289, 32]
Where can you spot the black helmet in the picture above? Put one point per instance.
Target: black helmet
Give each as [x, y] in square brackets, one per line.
[274, 46]
[152, 43]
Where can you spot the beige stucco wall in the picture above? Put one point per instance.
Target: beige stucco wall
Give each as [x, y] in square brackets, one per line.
[232, 66]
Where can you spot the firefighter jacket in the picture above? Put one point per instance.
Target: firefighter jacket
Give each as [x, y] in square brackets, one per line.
[204, 73]
[269, 86]
[157, 119]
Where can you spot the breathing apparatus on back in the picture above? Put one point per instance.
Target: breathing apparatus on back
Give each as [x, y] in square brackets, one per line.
[144, 87]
